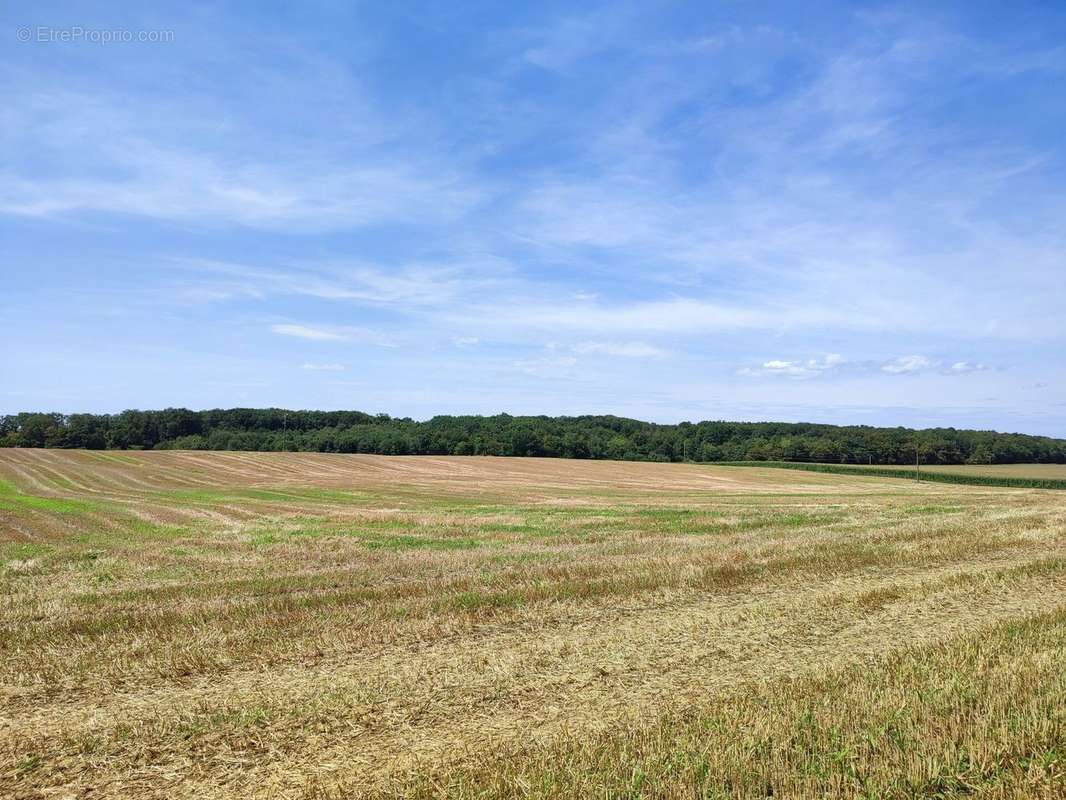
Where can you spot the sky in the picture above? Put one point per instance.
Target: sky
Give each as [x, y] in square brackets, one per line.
[851, 213]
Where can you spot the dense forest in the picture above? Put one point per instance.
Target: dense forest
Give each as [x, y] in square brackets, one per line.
[504, 435]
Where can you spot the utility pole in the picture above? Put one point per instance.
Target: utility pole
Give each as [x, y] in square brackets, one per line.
[917, 469]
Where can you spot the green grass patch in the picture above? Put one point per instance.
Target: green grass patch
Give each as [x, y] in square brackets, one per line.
[11, 499]
[476, 600]
[28, 763]
[23, 551]
[214, 497]
[132, 531]
[516, 528]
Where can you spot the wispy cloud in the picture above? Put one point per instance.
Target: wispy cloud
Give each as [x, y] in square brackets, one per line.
[178, 187]
[335, 333]
[679, 315]
[410, 286]
[306, 332]
[324, 367]
[622, 349]
[548, 366]
[140, 166]
[564, 43]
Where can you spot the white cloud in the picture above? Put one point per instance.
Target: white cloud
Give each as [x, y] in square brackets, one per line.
[962, 367]
[797, 369]
[906, 364]
[834, 363]
[305, 332]
[465, 341]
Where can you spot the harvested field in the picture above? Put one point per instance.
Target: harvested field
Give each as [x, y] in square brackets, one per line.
[209, 625]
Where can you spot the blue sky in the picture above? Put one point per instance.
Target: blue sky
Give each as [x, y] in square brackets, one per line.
[845, 213]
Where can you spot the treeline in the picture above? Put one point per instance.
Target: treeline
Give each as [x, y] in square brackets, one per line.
[599, 437]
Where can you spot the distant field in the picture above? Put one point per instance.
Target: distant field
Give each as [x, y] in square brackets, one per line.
[260, 625]
[1033, 476]
[1053, 471]
[1056, 471]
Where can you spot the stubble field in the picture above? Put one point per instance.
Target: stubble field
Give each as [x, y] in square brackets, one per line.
[209, 625]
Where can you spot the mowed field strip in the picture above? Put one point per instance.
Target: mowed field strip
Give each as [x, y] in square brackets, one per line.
[209, 625]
